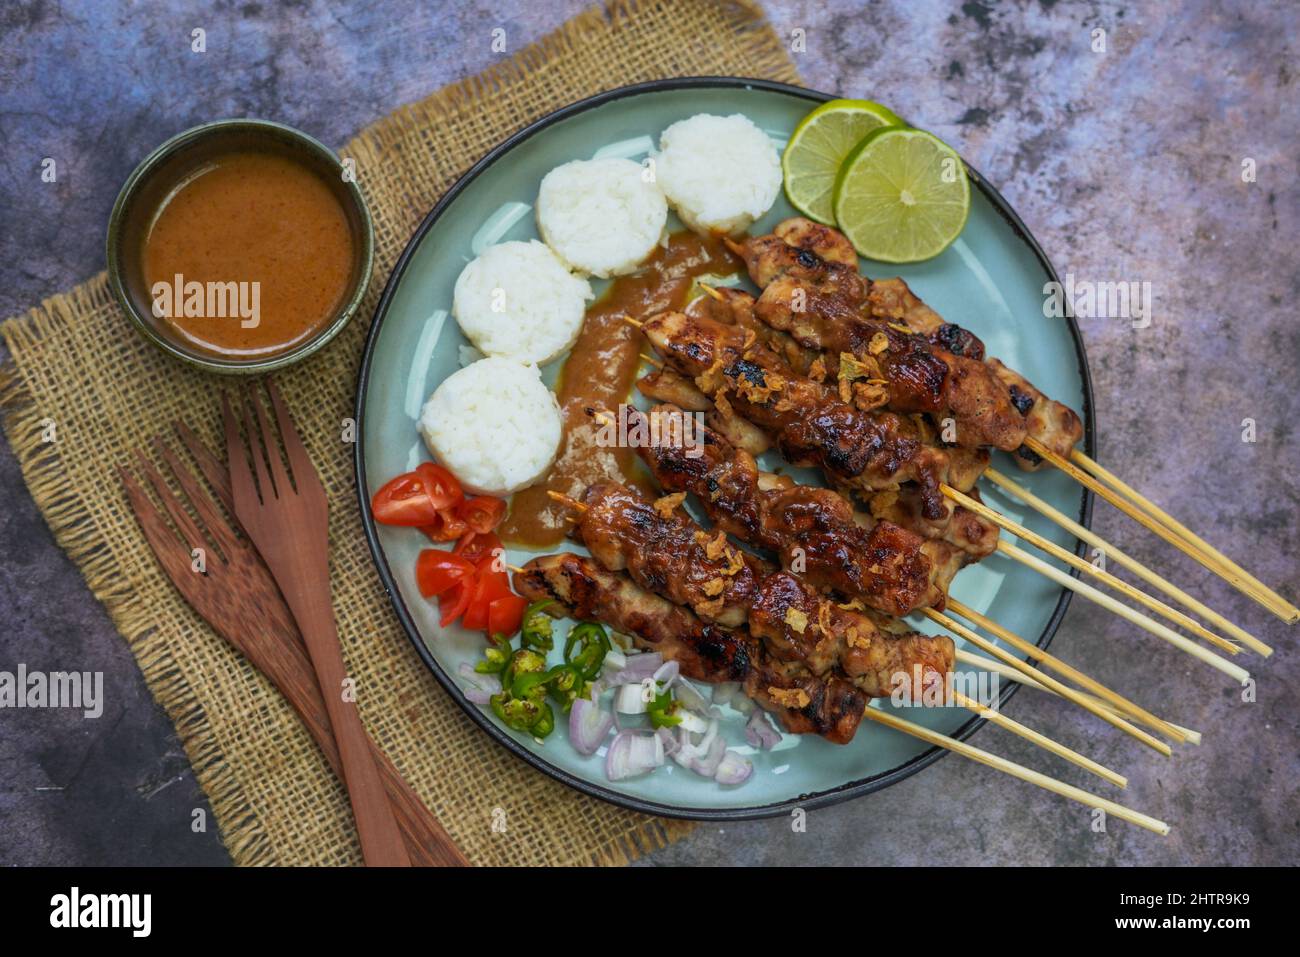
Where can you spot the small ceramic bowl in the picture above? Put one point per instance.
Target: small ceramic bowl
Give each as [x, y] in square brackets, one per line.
[147, 188]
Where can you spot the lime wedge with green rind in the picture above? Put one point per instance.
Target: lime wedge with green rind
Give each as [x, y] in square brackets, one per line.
[818, 147]
[901, 196]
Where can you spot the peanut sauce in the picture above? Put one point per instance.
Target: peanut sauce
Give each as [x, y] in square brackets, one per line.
[599, 374]
[244, 218]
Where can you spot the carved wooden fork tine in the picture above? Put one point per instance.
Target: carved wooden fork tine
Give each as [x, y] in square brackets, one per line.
[305, 479]
[162, 537]
[289, 524]
[216, 525]
[209, 465]
[190, 532]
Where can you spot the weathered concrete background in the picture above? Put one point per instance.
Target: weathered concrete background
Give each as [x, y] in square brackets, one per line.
[1125, 163]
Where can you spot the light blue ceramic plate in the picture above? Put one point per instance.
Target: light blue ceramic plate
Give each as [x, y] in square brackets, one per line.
[990, 280]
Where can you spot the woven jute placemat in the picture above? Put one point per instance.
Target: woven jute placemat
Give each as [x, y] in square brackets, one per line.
[76, 364]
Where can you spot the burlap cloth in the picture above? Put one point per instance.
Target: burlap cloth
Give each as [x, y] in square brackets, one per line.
[76, 362]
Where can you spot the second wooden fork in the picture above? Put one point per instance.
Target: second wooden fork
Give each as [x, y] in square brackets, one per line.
[287, 517]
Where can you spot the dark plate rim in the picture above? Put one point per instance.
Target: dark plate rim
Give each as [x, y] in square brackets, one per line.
[817, 799]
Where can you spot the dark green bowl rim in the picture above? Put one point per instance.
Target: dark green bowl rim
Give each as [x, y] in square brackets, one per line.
[835, 795]
[255, 366]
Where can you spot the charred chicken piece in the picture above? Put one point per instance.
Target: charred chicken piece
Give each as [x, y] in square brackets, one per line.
[918, 375]
[735, 307]
[1055, 425]
[819, 263]
[667, 385]
[665, 552]
[798, 623]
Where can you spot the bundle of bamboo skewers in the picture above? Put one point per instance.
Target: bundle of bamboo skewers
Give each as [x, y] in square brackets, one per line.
[816, 266]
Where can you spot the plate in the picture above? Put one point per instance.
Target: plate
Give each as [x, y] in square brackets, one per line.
[990, 280]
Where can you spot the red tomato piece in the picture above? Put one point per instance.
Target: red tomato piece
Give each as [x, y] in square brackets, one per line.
[505, 615]
[448, 526]
[482, 513]
[453, 602]
[436, 571]
[477, 547]
[403, 501]
[414, 499]
[488, 587]
[444, 491]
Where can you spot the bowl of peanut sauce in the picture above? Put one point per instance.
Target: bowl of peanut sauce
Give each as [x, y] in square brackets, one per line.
[240, 246]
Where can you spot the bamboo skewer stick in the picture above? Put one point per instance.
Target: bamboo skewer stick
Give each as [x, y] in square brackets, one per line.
[1074, 561]
[1239, 580]
[1132, 564]
[1047, 744]
[1265, 595]
[1236, 672]
[891, 720]
[1116, 702]
[1064, 690]
[991, 664]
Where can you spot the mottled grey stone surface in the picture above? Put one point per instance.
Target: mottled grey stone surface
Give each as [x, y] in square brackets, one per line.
[1126, 165]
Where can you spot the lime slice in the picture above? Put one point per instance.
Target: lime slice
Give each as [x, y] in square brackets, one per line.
[902, 196]
[818, 146]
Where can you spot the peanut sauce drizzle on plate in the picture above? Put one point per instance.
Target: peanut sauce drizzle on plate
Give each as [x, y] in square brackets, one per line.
[599, 373]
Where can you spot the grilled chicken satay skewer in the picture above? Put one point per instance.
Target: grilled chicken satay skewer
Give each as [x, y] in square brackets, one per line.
[885, 566]
[821, 304]
[813, 260]
[815, 528]
[665, 551]
[991, 664]
[891, 720]
[966, 537]
[805, 421]
[837, 326]
[812, 427]
[1110, 551]
[736, 304]
[818, 527]
[584, 591]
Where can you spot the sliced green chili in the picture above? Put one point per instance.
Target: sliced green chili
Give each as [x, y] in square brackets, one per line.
[518, 713]
[663, 711]
[523, 661]
[592, 643]
[535, 627]
[545, 722]
[495, 659]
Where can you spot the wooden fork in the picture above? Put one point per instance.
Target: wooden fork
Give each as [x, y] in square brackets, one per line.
[287, 517]
[237, 596]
